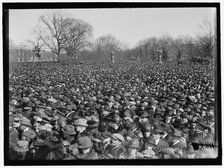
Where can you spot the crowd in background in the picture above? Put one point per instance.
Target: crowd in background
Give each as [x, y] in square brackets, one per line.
[99, 111]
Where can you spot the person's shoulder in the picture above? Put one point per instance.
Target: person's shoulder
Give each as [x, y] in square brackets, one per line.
[139, 155]
[121, 149]
[122, 155]
[94, 155]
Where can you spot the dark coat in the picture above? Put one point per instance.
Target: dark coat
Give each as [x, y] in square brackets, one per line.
[111, 153]
[159, 147]
[49, 151]
[92, 155]
[13, 137]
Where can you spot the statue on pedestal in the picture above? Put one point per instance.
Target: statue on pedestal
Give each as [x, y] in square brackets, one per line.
[112, 57]
[159, 53]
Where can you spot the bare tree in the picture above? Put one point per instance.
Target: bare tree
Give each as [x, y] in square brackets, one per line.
[179, 46]
[206, 39]
[153, 47]
[165, 44]
[190, 46]
[142, 49]
[107, 43]
[51, 31]
[76, 36]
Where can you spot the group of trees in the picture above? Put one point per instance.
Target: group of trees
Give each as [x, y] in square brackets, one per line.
[64, 35]
[180, 48]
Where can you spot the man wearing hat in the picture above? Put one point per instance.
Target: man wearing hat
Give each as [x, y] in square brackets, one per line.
[83, 149]
[115, 125]
[131, 151]
[81, 126]
[25, 125]
[20, 149]
[68, 134]
[159, 143]
[148, 148]
[14, 123]
[50, 149]
[115, 148]
[179, 142]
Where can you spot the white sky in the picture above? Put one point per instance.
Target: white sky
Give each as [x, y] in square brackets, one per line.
[129, 25]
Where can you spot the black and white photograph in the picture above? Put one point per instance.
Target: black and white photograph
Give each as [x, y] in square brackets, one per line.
[112, 83]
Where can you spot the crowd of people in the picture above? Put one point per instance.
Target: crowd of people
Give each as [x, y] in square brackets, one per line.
[125, 110]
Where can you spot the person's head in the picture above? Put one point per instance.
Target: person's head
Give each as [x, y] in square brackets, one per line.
[203, 113]
[114, 125]
[147, 133]
[157, 133]
[147, 130]
[139, 135]
[117, 139]
[132, 146]
[184, 120]
[157, 136]
[193, 125]
[168, 119]
[28, 135]
[16, 123]
[210, 112]
[129, 136]
[84, 145]
[81, 125]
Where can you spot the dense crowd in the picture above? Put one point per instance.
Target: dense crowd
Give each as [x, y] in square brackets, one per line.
[127, 110]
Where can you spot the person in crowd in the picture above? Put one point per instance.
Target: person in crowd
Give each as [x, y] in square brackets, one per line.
[82, 150]
[97, 111]
[115, 148]
[131, 150]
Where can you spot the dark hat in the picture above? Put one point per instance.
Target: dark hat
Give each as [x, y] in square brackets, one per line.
[158, 111]
[69, 129]
[150, 140]
[130, 134]
[157, 130]
[55, 136]
[166, 127]
[139, 134]
[144, 114]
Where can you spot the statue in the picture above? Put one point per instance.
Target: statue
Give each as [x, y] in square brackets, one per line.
[159, 52]
[37, 51]
[112, 57]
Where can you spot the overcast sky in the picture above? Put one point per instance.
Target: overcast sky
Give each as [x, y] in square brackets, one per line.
[129, 25]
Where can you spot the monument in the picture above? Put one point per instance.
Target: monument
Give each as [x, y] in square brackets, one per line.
[159, 53]
[112, 57]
